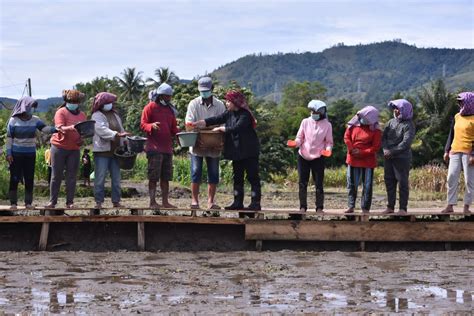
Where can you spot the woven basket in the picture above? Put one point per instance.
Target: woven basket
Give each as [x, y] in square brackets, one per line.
[209, 140]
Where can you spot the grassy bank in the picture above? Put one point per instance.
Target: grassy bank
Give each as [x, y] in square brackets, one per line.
[429, 179]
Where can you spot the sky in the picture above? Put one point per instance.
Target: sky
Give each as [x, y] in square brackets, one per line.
[60, 43]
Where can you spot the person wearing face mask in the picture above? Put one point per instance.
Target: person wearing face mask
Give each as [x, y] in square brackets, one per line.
[65, 147]
[158, 121]
[241, 146]
[200, 108]
[314, 139]
[109, 134]
[459, 153]
[397, 138]
[21, 148]
[363, 140]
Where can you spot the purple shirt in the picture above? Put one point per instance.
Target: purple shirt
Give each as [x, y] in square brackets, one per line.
[314, 136]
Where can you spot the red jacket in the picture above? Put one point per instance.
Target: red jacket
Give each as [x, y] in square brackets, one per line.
[367, 141]
[160, 140]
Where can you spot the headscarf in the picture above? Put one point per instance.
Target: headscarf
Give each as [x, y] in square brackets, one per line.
[103, 98]
[466, 101]
[152, 95]
[238, 99]
[370, 114]
[405, 108]
[73, 96]
[23, 105]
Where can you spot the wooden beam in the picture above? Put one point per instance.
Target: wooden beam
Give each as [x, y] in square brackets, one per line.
[43, 241]
[359, 231]
[141, 233]
[123, 219]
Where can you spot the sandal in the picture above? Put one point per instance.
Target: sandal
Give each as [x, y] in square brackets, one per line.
[214, 207]
[194, 206]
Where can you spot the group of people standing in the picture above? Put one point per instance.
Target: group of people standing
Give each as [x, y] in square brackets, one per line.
[363, 138]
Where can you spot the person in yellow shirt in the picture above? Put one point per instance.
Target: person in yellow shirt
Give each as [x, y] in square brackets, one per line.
[459, 152]
[47, 160]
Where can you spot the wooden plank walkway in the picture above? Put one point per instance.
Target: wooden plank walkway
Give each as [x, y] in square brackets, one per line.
[332, 225]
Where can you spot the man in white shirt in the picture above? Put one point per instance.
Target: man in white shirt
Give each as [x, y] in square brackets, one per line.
[200, 108]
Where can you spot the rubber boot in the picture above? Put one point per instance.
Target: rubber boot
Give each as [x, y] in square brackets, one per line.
[238, 203]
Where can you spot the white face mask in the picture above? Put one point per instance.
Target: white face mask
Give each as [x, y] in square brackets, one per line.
[163, 102]
[107, 107]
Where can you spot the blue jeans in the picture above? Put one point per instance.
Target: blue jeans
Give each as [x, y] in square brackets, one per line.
[212, 169]
[356, 175]
[102, 165]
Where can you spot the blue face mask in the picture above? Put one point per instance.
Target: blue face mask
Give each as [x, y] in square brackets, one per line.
[316, 117]
[72, 107]
[107, 107]
[29, 111]
[362, 121]
[206, 94]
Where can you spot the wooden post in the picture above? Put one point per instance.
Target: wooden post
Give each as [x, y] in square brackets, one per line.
[259, 243]
[362, 246]
[43, 242]
[141, 233]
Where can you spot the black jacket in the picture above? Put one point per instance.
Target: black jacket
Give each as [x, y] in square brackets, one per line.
[241, 140]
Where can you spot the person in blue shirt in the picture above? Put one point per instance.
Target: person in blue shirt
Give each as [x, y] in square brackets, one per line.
[21, 148]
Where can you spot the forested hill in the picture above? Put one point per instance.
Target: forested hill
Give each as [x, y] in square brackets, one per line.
[364, 73]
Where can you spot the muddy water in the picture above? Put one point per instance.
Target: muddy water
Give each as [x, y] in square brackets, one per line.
[248, 282]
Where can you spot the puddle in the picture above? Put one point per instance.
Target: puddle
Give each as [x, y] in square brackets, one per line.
[250, 282]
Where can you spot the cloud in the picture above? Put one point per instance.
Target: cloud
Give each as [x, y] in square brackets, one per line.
[59, 43]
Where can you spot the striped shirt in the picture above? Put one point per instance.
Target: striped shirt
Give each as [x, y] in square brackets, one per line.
[21, 135]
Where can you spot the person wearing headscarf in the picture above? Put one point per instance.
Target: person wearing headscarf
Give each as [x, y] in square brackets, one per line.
[363, 140]
[65, 147]
[241, 146]
[314, 139]
[204, 106]
[109, 134]
[21, 148]
[459, 152]
[397, 138]
[158, 121]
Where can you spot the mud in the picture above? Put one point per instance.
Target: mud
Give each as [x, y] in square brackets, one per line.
[236, 282]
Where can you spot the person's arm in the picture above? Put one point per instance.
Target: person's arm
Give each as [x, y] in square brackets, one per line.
[145, 123]
[190, 113]
[328, 141]
[300, 136]
[217, 120]
[348, 138]
[9, 140]
[43, 128]
[405, 144]
[450, 139]
[60, 121]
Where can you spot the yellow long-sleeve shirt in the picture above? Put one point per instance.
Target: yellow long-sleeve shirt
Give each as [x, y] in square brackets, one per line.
[463, 134]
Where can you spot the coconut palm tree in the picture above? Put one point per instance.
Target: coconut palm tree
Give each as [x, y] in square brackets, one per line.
[164, 74]
[131, 84]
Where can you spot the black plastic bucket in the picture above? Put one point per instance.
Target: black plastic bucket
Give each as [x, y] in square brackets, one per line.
[86, 129]
[136, 144]
[126, 159]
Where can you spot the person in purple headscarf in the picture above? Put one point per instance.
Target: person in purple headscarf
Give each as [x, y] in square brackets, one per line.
[459, 152]
[21, 148]
[109, 134]
[363, 140]
[397, 138]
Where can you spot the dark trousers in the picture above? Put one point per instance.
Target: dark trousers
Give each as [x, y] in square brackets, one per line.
[249, 166]
[49, 174]
[316, 166]
[22, 167]
[396, 171]
[355, 175]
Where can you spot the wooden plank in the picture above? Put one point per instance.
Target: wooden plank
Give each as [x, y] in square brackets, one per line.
[141, 233]
[43, 241]
[359, 231]
[123, 219]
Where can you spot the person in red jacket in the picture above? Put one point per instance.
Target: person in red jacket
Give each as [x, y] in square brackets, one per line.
[363, 140]
[159, 123]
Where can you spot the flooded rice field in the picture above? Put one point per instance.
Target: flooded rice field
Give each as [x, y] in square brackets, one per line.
[236, 282]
